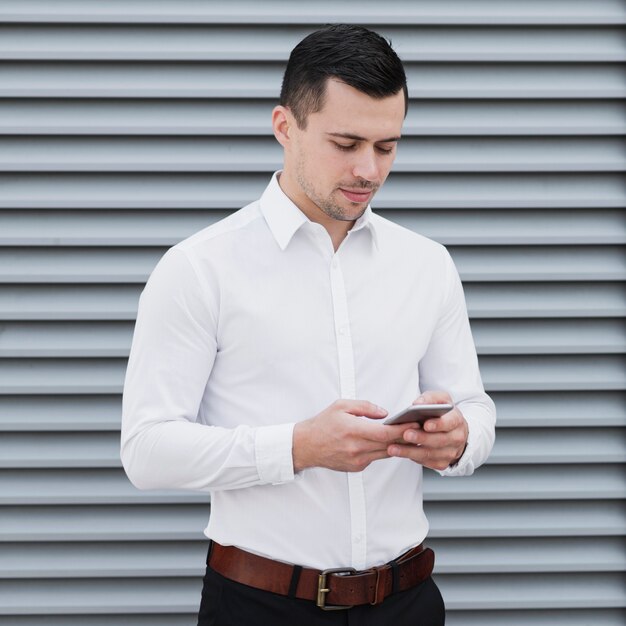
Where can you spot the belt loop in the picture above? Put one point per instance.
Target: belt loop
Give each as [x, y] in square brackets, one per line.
[395, 579]
[376, 601]
[295, 578]
[208, 554]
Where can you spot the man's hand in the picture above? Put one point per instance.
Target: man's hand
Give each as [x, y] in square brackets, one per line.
[440, 442]
[339, 438]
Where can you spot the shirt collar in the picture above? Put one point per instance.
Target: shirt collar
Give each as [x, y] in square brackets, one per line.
[284, 218]
[367, 221]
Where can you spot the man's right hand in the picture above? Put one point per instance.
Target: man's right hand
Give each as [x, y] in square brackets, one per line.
[340, 439]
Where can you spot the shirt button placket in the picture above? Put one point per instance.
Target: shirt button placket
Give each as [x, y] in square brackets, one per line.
[347, 382]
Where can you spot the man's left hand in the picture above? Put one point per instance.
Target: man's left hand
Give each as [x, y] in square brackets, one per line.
[440, 442]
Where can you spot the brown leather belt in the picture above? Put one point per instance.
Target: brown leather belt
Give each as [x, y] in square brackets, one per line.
[337, 588]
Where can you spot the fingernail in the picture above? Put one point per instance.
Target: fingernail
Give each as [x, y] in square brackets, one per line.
[410, 436]
[393, 450]
[381, 411]
[419, 400]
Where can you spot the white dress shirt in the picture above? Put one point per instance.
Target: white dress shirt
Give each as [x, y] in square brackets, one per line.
[256, 323]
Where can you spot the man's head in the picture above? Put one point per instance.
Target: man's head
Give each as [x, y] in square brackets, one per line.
[343, 103]
[350, 54]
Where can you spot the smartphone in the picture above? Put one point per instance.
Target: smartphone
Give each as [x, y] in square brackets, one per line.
[418, 413]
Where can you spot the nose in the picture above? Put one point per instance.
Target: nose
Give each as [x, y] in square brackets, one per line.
[366, 165]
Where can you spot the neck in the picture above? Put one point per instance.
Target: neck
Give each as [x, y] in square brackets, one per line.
[336, 229]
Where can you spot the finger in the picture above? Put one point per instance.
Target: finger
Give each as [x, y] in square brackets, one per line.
[433, 441]
[417, 454]
[360, 463]
[424, 456]
[433, 397]
[386, 433]
[448, 440]
[362, 408]
[447, 422]
[403, 436]
[377, 455]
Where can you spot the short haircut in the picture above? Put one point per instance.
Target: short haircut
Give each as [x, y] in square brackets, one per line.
[352, 54]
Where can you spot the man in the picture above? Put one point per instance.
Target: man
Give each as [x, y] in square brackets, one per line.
[269, 346]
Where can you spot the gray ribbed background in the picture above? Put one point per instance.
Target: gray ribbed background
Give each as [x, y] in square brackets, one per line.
[127, 125]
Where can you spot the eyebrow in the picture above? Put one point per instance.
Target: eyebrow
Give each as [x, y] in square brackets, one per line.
[359, 138]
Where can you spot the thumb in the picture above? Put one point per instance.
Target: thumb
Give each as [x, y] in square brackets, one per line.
[434, 397]
[365, 409]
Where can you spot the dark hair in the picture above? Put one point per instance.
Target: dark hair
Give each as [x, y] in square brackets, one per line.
[355, 55]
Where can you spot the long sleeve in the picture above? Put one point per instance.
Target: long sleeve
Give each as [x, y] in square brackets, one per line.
[174, 348]
[450, 364]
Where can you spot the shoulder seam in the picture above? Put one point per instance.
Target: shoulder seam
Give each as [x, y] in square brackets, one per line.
[213, 231]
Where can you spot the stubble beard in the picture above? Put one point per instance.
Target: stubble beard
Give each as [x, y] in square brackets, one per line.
[327, 205]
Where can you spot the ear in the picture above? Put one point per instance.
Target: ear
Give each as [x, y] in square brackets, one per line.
[282, 120]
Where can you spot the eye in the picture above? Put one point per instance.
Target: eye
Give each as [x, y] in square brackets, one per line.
[384, 150]
[345, 147]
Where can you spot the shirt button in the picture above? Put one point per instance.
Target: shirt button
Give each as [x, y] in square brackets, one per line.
[358, 538]
[334, 264]
[343, 330]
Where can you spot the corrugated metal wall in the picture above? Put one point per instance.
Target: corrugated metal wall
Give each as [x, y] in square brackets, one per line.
[126, 125]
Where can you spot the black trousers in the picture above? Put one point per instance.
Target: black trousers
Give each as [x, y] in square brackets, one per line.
[227, 603]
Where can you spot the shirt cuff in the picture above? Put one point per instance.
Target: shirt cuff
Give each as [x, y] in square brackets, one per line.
[273, 449]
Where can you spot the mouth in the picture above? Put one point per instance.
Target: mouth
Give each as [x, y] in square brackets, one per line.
[359, 195]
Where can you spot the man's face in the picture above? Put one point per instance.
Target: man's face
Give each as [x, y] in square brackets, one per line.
[343, 156]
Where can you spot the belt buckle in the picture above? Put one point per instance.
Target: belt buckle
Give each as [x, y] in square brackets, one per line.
[322, 589]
